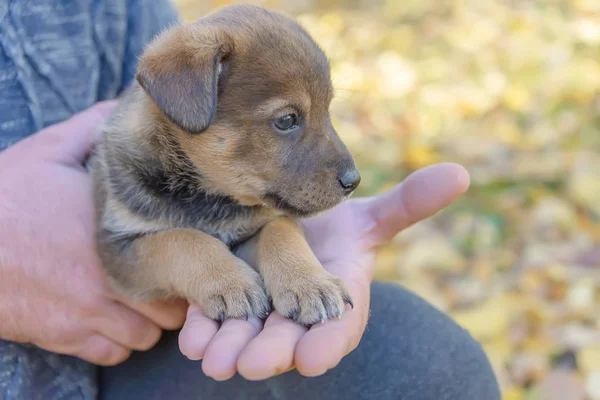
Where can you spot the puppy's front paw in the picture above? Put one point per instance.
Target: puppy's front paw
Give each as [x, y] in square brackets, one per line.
[311, 298]
[235, 294]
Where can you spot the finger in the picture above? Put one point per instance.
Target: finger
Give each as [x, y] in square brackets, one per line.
[126, 327]
[421, 195]
[101, 350]
[272, 351]
[197, 332]
[324, 345]
[223, 351]
[169, 315]
[75, 137]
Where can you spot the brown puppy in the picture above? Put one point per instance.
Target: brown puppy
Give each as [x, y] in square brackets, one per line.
[224, 140]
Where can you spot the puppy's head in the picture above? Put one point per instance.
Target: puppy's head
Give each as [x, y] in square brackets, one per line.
[247, 93]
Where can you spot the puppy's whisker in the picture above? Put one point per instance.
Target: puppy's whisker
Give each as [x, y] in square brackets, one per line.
[345, 90]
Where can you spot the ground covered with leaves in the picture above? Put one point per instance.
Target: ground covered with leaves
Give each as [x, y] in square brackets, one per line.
[510, 90]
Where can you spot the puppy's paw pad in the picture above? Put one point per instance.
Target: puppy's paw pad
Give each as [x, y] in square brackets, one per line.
[312, 299]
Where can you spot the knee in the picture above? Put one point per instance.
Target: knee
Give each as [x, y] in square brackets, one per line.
[427, 355]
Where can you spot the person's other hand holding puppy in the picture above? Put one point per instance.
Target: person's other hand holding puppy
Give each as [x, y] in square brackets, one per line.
[53, 291]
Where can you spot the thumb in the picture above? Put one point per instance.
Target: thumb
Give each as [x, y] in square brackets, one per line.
[75, 137]
[421, 195]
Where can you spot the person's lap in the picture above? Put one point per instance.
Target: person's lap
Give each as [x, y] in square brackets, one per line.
[409, 351]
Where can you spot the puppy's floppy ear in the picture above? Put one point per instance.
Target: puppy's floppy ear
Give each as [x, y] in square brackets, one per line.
[180, 70]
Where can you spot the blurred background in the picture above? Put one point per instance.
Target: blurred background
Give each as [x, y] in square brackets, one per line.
[511, 90]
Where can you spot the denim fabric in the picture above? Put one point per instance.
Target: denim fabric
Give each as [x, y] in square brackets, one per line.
[58, 57]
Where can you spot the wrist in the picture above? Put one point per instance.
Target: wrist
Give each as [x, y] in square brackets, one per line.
[13, 307]
[11, 327]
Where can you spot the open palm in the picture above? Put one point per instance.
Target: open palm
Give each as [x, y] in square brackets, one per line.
[344, 240]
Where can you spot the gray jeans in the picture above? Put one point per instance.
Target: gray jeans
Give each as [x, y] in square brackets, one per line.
[410, 351]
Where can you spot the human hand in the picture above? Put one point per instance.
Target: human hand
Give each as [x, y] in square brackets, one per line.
[344, 240]
[53, 291]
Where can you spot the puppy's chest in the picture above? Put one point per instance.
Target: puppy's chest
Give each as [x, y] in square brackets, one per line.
[230, 222]
[232, 232]
[231, 226]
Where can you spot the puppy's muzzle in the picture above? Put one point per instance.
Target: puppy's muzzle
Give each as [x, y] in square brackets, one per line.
[349, 180]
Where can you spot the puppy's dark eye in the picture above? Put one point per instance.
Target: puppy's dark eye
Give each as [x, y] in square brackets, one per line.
[286, 123]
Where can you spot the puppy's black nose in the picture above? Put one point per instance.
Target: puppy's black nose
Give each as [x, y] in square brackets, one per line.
[350, 180]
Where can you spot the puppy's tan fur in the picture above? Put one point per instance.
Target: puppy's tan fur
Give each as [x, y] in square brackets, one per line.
[198, 194]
